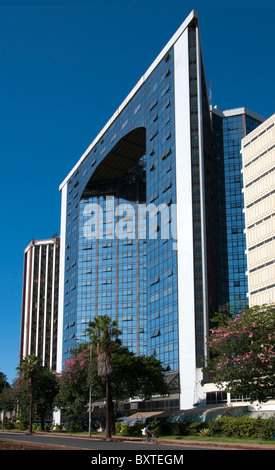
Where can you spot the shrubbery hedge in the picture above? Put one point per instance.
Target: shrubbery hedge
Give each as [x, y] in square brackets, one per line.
[133, 431]
[242, 427]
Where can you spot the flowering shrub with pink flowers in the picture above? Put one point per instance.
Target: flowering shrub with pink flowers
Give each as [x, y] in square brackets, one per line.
[242, 353]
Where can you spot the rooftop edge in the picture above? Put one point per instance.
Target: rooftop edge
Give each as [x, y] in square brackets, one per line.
[193, 14]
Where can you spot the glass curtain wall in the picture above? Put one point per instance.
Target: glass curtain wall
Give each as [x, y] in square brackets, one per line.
[235, 127]
[131, 279]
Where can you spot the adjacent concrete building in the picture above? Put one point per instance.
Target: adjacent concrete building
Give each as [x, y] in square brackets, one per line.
[258, 156]
[40, 301]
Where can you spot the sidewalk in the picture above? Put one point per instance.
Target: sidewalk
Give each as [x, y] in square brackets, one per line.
[186, 442]
[178, 442]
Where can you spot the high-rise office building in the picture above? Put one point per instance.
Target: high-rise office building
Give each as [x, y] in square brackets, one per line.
[229, 127]
[40, 301]
[136, 220]
[258, 154]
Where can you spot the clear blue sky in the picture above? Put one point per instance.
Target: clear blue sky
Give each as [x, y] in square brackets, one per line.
[65, 68]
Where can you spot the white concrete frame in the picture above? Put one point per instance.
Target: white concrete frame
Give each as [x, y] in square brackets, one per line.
[61, 279]
[186, 307]
[190, 375]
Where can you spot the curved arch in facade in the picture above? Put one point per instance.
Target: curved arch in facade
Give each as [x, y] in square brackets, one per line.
[121, 159]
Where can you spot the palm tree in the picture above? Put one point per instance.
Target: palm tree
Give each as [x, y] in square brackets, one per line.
[104, 337]
[29, 370]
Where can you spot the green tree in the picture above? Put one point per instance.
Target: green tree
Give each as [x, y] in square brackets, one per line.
[29, 370]
[242, 353]
[131, 376]
[21, 396]
[104, 334]
[3, 382]
[148, 376]
[45, 394]
[6, 401]
[73, 385]
[44, 390]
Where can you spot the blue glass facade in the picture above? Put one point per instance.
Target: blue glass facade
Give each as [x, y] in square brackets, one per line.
[133, 281]
[229, 128]
[114, 260]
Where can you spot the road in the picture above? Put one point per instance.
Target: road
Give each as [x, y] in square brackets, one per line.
[118, 454]
[93, 444]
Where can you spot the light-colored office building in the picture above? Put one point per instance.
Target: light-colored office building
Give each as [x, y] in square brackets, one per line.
[258, 155]
[40, 301]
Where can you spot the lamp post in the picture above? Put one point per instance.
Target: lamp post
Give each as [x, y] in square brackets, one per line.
[90, 394]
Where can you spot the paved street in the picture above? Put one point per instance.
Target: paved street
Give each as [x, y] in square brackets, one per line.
[93, 444]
